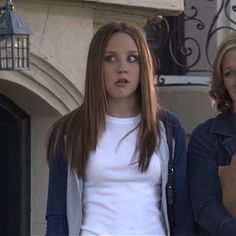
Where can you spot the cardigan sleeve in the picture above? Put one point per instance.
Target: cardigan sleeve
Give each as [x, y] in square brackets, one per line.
[56, 203]
[183, 216]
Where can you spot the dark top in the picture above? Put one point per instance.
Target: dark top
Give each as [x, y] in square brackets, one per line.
[212, 144]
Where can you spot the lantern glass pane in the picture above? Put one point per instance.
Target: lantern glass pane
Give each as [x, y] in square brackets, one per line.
[3, 53]
[21, 51]
[3, 63]
[14, 52]
[6, 52]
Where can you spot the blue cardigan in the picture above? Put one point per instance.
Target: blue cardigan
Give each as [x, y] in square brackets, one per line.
[56, 214]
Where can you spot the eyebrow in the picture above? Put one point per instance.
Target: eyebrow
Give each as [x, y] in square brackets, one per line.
[129, 52]
[228, 68]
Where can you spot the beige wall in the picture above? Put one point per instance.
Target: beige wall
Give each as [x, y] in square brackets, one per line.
[191, 103]
[39, 172]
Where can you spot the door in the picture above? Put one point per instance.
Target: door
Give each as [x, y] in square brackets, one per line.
[14, 169]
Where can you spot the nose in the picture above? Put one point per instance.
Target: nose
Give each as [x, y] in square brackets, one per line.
[121, 71]
[122, 67]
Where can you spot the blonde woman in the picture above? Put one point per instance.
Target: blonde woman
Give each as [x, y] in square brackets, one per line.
[211, 149]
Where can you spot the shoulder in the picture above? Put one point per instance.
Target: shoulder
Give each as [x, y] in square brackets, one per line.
[62, 121]
[58, 130]
[175, 121]
[204, 127]
[176, 124]
[167, 116]
[56, 137]
[215, 122]
[202, 138]
[172, 122]
[223, 125]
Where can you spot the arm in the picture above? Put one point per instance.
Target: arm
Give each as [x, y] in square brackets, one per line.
[56, 204]
[204, 185]
[184, 224]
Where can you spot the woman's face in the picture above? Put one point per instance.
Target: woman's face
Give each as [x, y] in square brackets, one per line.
[121, 67]
[229, 74]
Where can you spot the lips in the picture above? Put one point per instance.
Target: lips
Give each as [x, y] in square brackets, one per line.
[122, 81]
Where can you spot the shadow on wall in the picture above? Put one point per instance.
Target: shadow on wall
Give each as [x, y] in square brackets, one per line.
[191, 103]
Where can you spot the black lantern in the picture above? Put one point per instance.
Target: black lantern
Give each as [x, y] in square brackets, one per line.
[14, 40]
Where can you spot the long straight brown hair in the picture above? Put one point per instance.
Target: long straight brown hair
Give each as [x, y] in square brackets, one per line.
[76, 134]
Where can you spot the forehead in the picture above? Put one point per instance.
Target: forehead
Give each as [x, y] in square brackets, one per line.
[121, 41]
[229, 57]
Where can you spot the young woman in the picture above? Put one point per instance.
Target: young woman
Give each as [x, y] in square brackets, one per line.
[109, 157]
[211, 150]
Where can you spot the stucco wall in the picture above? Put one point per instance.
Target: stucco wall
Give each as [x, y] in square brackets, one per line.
[60, 37]
[191, 103]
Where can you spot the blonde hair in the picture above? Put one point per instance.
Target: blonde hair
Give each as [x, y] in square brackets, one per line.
[218, 92]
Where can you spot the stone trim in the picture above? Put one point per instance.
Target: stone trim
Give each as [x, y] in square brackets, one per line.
[48, 83]
[170, 6]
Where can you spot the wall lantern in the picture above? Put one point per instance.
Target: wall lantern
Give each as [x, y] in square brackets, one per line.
[14, 40]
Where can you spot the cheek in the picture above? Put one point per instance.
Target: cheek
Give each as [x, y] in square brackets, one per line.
[138, 74]
[105, 73]
[135, 69]
[108, 72]
[107, 80]
[227, 84]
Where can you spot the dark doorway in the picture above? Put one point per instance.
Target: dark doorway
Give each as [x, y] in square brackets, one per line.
[14, 169]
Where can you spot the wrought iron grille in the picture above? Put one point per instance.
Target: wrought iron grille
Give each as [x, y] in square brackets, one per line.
[183, 51]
